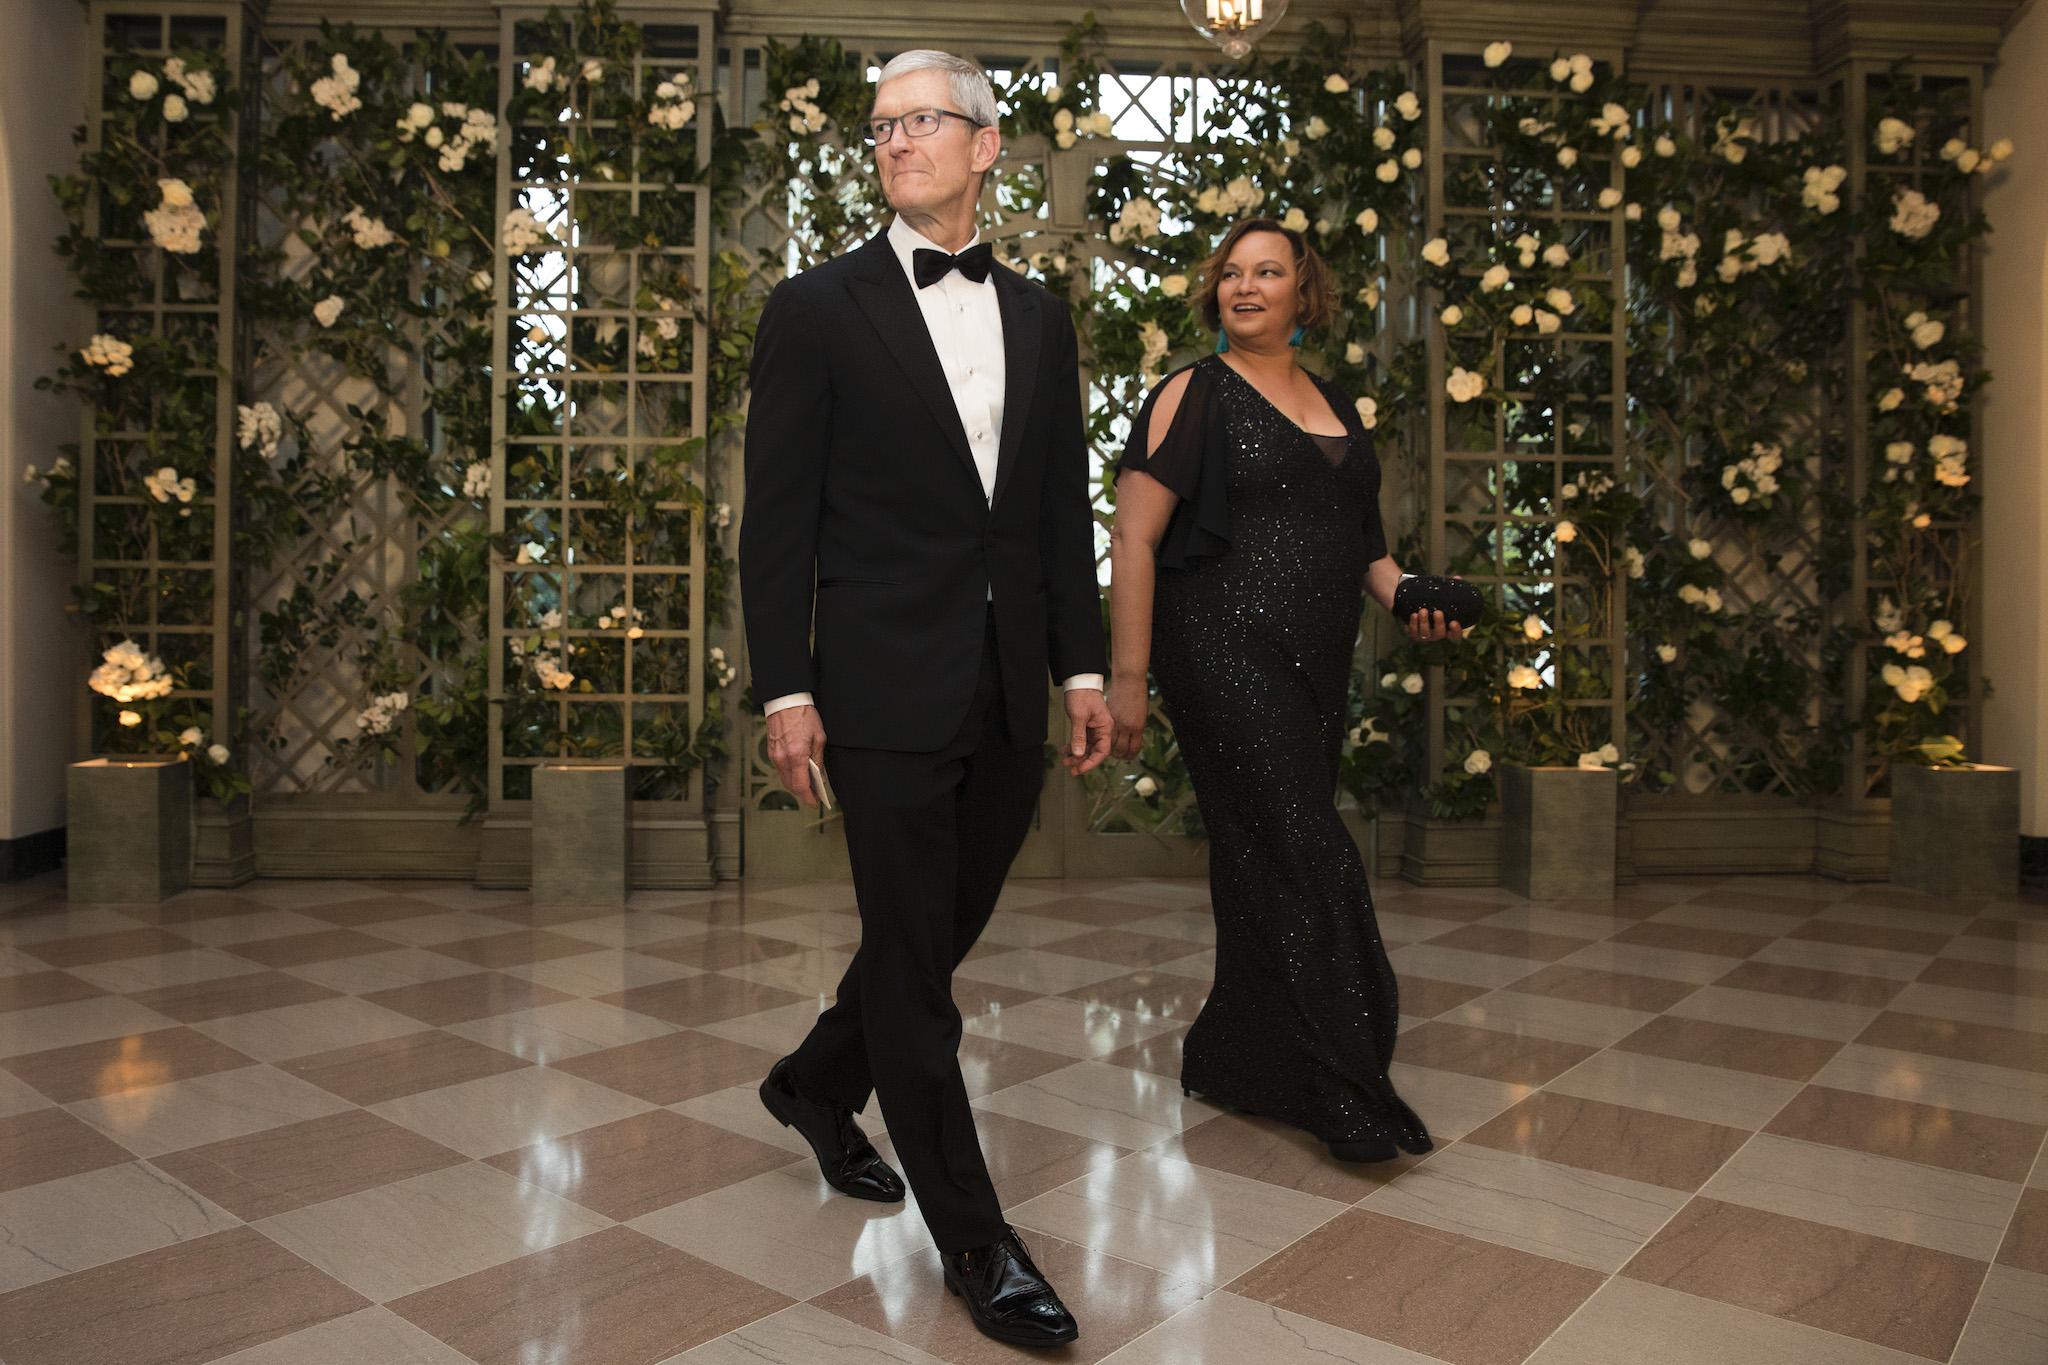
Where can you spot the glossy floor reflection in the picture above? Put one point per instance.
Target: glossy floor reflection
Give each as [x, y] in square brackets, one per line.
[373, 1123]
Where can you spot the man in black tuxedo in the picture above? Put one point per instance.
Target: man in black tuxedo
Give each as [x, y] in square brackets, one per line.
[917, 561]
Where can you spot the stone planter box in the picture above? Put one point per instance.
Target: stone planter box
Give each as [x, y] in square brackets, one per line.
[1956, 831]
[1558, 832]
[128, 833]
[582, 834]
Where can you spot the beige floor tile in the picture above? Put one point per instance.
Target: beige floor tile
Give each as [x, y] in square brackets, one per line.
[803, 1335]
[1550, 919]
[1696, 916]
[2032, 956]
[1545, 1016]
[1944, 1081]
[1892, 917]
[814, 972]
[2010, 1323]
[1023, 930]
[129, 975]
[738, 1109]
[833, 895]
[1452, 1104]
[1974, 1006]
[1067, 1027]
[816, 929]
[1950, 1211]
[1195, 926]
[1711, 1094]
[77, 1021]
[1839, 957]
[589, 974]
[453, 926]
[1441, 963]
[1954, 1139]
[375, 1336]
[1632, 1323]
[295, 1030]
[301, 1164]
[1778, 1013]
[1225, 1329]
[234, 930]
[790, 1231]
[78, 922]
[777, 1030]
[1187, 1222]
[203, 1109]
[403, 1237]
[1114, 1104]
[1577, 1216]
[18, 1096]
[1039, 969]
[62, 1226]
[289, 894]
[495, 1114]
[1642, 959]
[555, 1033]
[382, 971]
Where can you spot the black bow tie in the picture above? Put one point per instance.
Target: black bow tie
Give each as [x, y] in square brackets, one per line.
[930, 266]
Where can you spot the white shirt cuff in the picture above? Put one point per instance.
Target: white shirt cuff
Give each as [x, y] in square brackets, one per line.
[1081, 680]
[784, 703]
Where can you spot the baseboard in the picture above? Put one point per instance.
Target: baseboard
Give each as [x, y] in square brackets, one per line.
[34, 854]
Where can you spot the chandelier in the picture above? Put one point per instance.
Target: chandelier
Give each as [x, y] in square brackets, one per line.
[1234, 25]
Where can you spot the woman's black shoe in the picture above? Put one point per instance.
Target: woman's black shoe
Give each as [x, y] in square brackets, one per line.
[1007, 1296]
[1366, 1149]
[848, 1161]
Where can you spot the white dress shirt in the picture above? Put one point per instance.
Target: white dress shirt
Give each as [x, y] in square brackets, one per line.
[966, 326]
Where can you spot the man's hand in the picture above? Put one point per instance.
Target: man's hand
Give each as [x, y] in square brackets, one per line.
[796, 736]
[1089, 729]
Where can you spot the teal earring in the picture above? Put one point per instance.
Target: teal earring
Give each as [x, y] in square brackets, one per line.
[1222, 341]
[1295, 340]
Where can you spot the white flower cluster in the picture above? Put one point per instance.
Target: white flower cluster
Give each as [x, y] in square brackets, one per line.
[1925, 331]
[109, 353]
[1601, 757]
[620, 618]
[473, 131]
[1464, 385]
[721, 515]
[1910, 682]
[192, 737]
[1135, 221]
[328, 309]
[1951, 460]
[1593, 485]
[1613, 121]
[1575, 71]
[721, 668]
[382, 713]
[545, 75]
[126, 673]
[1754, 476]
[668, 325]
[1967, 158]
[1156, 343]
[1478, 763]
[1822, 188]
[1233, 200]
[1368, 413]
[197, 87]
[800, 103]
[1067, 129]
[1678, 246]
[59, 470]
[1633, 563]
[1532, 627]
[1368, 731]
[548, 669]
[1667, 653]
[1707, 600]
[521, 232]
[1742, 255]
[1943, 381]
[261, 425]
[1944, 634]
[1411, 683]
[1497, 53]
[1914, 214]
[176, 223]
[675, 103]
[166, 486]
[1892, 136]
[1565, 532]
[336, 91]
[1732, 138]
[1523, 678]
[369, 233]
[476, 480]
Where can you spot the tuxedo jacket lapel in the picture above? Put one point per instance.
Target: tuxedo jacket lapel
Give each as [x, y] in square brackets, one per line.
[1020, 369]
[884, 295]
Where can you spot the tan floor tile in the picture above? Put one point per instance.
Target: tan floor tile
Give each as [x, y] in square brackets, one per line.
[1778, 1013]
[1765, 923]
[640, 1164]
[1507, 941]
[601, 973]
[370, 1073]
[1114, 1301]
[1618, 990]
[1196, 925]
[2029, 953]
[1058, 1024]
[118, 1065]
[198, 1001]
[1684, 1090]
[1835, 957]
[382, 971]
[1811, 984]
[516, 948]
[513, 1109]
[1160, 1054]
[296, 1030]
[2009, 1325]
[1943, 1210]
[1760, 1051]
[778, 1031]
[1943, 923]
[803, 1335]
[1641, 959]
[49, 1144]
[698, 1000]
[1569, 1214]
[1168, 893]
[790, 1231]
[2025, 1246]
[2026, 1012]
[1984, 1044]
[1452, 1104]
[1442, 963]
[1423, 998]
[1900, 1296]
[75, 1024]
[55, 920]
[1891, 940]
[1618, 1140]
[239, 929]
[811, 972]
[107, 947]
[291, 893]
[553, 1033]
[1630, 1322]
[674, 1067]
[63, 1226]
[1590, 924]
[368, 912]
[458, 999]
[426, 931]
[323, 945]
[1112, 1104]
[1125, 946]
[289, 1167]
[19, 1097]
[399, 1238]
[826, 895]
[1544, 1016]
[1147, 994]
[1224, 1329]
[192, 1301]
[31, 990]
[1190, 1223]
[1943, 1081]
[203, 1109]
[814, 929]
[718, 949]
[1954, 1139]
[1686, 938]
[988, 1066]
[1041, 969]
[1454, 1297]
[738, 1109]
[375, 1336]
[1498, 1056]
[1280, 1155]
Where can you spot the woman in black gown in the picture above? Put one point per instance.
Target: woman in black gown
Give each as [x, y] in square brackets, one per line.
[1247, 531]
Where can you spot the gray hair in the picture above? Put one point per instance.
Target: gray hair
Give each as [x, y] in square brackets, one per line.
[971, 88]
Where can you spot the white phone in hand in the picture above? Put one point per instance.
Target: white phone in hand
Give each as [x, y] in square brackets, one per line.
[819, 785]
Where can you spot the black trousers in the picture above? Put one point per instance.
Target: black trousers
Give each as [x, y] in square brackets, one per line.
[931, 837]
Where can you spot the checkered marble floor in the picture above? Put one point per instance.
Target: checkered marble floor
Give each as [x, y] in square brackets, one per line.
[373, 1123]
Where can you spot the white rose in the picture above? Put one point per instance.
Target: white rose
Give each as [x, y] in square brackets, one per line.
[1524, 678]
[1523, 315]
[192, 737]
[131, 719]
[1412, 158]
[1453, 315]
[420, 115]
[1497, 53]
[1478, 762]
[1295, 221]
[1146, 788]
[1388, 171]
[1532, 627]
[1566, 532]
[1174, 286]
[219, 753]
[1368, 220]
[1665, 146]
[1582, 81]
[1368, 413]
[1354, 354]
[1561, 302]
[1463, 385]
[1560, 71]
[1383, 138]
[2001, 150]
[1634, 213]
[1631, 157]
[1668, 218]
[1316, 129]
[328, 309]
[1699, 549]
[1892, 134]
[1666, 653]
[1557, 255]
[175, 110]
[1336, 84]
[1408, 106]
[1496, 277]
[1928, 334]
[1437, 252]
[142, 86]
[1609, 197]
[1567, 157]
[1412, 684]
[1890, 399]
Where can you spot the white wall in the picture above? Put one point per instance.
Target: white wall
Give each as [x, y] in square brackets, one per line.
[42, 98]
[2014, 466]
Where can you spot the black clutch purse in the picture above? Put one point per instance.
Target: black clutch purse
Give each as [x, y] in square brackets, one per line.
[1458, 600]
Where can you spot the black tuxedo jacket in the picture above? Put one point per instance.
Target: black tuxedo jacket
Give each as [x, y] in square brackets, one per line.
[865, 514]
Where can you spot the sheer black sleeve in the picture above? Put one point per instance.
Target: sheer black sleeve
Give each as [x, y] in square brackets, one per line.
[1189, 461]
[1361, 449]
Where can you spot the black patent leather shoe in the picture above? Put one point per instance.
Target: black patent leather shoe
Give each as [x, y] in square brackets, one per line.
[1007, 1296]
[847, 1160]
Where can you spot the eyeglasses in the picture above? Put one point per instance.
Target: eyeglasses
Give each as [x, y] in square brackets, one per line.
[916, 123]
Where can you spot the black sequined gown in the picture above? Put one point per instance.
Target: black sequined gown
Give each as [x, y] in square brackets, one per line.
[1252, 649]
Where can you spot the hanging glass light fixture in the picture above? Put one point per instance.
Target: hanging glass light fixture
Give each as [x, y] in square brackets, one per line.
[1234, 25]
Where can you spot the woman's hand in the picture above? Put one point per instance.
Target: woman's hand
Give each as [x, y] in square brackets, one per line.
[1427, 626]
[1129, 710]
